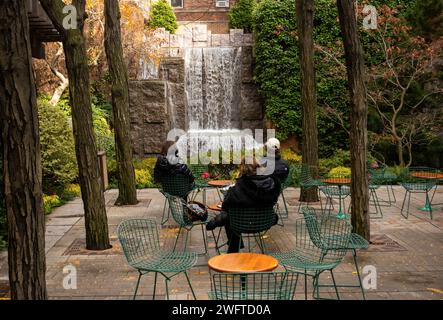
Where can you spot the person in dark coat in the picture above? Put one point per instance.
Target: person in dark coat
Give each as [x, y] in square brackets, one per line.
[274, 163]
[170, 164]
[250, 191]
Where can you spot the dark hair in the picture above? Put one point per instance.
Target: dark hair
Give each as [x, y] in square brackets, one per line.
[165, 148]
[248, 166]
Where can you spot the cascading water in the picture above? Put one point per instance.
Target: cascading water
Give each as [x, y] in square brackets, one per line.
[212, 86]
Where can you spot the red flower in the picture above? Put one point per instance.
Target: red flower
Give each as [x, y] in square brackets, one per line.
[205, 175]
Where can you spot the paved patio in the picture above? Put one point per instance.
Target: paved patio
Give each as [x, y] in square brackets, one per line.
[407, 253]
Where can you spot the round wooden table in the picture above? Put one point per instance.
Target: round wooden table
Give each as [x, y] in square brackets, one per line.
[339, 182]
[216, 207]
[220, 183]
[242, 262]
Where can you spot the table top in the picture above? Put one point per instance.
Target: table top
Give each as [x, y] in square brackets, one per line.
[215, 206]
[338, 181]
[243, 262]
[220, 183]
[427, 175]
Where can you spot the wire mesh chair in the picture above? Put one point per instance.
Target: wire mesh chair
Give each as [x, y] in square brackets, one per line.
[375, 180]
[140, 243]
[319, 247]
[385, 177]
[336, 188]
[283, 214]
[176, 185]
[253, 286]
[253, 222]
[180, 215]
[418, 180]
[201, 184]
[309, 179]
[356, 242]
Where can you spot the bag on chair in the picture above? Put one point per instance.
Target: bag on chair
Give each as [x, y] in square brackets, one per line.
[197, 211]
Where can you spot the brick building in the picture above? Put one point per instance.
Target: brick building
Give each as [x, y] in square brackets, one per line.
[213, 13]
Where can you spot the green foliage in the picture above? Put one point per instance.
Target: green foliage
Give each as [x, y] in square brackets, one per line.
[291, 157]
[277, 68]
[340, 172]
[59, 163]
[340, 158]
[51, 202]
[163, 16]
[143, 179]
[427, 18]
[240, 15]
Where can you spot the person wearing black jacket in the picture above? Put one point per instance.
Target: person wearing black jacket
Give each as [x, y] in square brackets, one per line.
[250, 191]
[274, 162]
[170, 164]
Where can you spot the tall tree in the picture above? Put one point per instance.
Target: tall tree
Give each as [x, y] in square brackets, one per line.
[96, 222]
[120, 104]
[21, 155]
[355, 65]
[305, 20]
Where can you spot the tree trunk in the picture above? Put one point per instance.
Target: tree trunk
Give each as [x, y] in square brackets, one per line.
[120, 104]
[305, 20]
[21, 156]
[401, 158]
[96, 221]
[358, 116]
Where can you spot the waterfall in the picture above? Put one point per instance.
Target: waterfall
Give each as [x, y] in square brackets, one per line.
[213, 83]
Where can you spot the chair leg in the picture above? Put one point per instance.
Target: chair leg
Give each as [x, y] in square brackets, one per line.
[176, 239]
[167, 288]
[138, 283]
[403, 205]
[165, 207]
[155, 286]
[306, 286]
[284, 202]
[190, 286]
[358, 274]
[377, 205]
[430, 204]
[393, 193]
[204, 239]
[335, 284]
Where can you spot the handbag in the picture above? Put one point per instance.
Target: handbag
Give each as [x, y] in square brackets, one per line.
[197, 211]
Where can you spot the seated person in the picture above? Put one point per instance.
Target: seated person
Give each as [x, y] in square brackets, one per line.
[250, 191]
[169, 164]
[279, 166]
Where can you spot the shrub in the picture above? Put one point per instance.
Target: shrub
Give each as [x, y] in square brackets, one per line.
[103, 134]
[290, 156]
[72, 191]
[340, 158]
[240, 15]
[163, 16]
[59, 163]
[51, 202]
[342, 172]
[143, 178]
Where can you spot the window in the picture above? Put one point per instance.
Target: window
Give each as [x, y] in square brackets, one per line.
[177, 3]
[222, 3]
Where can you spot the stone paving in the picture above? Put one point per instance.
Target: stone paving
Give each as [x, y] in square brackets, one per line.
[407, 253]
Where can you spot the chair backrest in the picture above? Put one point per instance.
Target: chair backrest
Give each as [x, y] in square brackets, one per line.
[251, 220]
[324, 241]
[177, 185]
[416, 178]
[179, 210]
[139, 239]
[254, 286]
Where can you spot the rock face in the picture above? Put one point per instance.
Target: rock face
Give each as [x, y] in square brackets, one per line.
[158, 106]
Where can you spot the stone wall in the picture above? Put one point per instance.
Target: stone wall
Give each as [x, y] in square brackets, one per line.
[159, 105]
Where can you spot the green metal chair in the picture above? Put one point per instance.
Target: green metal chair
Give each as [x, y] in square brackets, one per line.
[179, 213]
[384, 177]
[283, 214]
[140, 243]
[319, 247]
[252, 222]
[309, 179]
[253, 286]
[375, 181]
[356, 242]
[176, 185]
[201, 184]
[416, 184]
